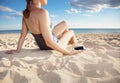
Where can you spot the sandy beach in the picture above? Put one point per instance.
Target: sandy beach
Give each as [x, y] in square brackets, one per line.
[99, 63]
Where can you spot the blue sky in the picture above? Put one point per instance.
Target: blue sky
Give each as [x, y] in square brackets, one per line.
[78, 13]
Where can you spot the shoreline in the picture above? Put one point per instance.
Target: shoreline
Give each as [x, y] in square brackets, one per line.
[76, 30]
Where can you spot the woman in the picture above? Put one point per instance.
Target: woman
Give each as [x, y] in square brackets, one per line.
[36, 20]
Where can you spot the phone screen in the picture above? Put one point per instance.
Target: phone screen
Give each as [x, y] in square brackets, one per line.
[79, 48]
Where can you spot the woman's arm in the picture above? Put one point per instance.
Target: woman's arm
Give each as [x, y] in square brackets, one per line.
[46, 32]
[22, 36]
[21, 39]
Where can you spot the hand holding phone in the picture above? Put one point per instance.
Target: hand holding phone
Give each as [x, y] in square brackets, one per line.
[79, 48]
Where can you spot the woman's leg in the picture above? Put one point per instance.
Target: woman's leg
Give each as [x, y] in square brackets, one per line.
[66, 37]
[60, 29]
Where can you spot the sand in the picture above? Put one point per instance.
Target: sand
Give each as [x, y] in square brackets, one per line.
[99, 63]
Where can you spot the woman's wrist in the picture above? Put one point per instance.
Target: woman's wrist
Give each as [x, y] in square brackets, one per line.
[67, 52]
[17, 50]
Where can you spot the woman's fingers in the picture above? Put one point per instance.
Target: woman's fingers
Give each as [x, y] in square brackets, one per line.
[75, 52]
[10, 51]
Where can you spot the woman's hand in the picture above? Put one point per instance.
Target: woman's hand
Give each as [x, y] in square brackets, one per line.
[73, 52]
[12, 51]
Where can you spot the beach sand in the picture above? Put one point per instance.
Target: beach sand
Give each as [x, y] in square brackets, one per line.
[99, 63]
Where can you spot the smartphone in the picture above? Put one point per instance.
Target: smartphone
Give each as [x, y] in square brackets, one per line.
[79, 48]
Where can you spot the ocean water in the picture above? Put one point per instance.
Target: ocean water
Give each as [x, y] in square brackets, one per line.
[75, 30]
[9, 31]
[96, 30]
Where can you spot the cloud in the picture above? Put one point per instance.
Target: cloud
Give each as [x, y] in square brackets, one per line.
[87, 15]
[11, 11]
[8, 17]
[6, 9]
[95, 5]
[53, 16]
[17, 14]
[72, 11]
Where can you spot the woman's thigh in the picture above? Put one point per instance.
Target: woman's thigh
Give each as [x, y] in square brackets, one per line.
[60, 29]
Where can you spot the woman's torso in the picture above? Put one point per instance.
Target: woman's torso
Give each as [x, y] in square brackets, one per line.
[33, 22]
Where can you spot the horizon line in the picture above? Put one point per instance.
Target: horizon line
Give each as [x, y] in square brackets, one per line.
[69, 28]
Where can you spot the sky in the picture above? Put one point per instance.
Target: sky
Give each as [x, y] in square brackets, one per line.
[78, 13]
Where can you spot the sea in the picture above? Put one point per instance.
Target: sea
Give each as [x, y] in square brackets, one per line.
[76, 30]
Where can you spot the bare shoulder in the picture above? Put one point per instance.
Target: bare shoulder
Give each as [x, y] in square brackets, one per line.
[43, 12]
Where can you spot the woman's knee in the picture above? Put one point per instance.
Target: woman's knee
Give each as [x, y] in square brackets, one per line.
[64, 23]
